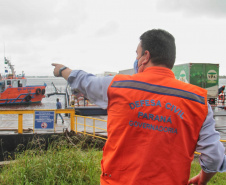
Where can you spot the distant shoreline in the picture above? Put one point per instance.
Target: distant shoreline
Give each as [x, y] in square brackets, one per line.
[41, 77]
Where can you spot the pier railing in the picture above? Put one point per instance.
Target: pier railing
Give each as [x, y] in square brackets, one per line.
[92, 127]
[21, 113]
[87, 128]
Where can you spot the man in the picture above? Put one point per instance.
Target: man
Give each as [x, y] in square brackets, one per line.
[155, 122]
[59, 106]
[221, 89]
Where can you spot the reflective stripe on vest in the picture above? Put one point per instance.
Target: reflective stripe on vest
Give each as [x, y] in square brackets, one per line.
[131, 84]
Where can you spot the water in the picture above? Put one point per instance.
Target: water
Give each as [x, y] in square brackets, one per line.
[222, 81]
[47, 102]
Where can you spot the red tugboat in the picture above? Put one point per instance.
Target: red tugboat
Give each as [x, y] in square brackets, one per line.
[13, 89]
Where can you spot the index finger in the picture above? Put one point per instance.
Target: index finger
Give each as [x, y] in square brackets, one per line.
[54, 64]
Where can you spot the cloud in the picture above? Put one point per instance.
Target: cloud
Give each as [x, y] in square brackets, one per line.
[43, 19]
[207, 8]
[109, 28]
[99, 35]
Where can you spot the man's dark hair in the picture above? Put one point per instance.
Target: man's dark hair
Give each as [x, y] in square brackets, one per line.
[57, 99]
[161, 45]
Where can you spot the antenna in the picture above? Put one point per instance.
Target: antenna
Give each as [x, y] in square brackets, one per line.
[4, 49]
[4, 55]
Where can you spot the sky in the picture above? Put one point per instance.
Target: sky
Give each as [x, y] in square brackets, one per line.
[102, 35]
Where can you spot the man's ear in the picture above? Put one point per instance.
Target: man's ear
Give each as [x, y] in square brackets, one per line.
[147, 56]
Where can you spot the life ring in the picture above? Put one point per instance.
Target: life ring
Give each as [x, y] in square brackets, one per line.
[38, 91]
[43, 91]
[27, 98]
[221, 97]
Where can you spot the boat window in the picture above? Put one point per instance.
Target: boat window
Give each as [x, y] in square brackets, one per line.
[23, 82]
[15, 84]
[19, 84]
[2, 86]
[8, 82]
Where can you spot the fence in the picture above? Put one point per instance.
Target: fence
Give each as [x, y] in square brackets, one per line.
[89, 128]
[73, 125]
[103, 133]
[20, 114]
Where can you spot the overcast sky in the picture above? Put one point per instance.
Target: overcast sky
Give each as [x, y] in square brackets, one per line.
[102, 35]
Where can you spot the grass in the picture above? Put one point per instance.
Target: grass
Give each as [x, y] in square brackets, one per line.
[218, 179]
[62, 163]
[65, 166]
[65, 163]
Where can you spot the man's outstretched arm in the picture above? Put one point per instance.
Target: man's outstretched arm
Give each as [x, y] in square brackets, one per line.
[65, 73]
[91, 86]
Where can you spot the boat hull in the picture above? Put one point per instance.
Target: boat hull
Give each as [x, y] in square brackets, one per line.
[22, 95]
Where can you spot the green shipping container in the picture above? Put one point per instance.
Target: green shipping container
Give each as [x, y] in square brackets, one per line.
[205, 75]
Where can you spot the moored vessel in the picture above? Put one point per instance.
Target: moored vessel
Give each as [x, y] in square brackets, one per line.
[13, 89]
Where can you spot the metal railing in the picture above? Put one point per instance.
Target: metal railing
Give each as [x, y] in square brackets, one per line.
[93, 126]
[20, 114]
[74, 123]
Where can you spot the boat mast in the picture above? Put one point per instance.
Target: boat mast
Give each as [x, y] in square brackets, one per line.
[7, 61]
[10, 66]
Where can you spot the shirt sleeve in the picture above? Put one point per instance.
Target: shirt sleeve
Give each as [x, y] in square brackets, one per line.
[92, 87]
[212, 158]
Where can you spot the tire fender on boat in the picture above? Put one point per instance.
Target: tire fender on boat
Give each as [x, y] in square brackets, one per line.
[43, 91]
[28, 98]
[38, 91]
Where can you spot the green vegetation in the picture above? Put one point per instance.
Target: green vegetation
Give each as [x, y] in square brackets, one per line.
[73, 159]
[218, 179]
[65, 163]
[62, 166]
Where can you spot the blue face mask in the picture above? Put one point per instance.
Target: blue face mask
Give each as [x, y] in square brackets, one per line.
[135, 66]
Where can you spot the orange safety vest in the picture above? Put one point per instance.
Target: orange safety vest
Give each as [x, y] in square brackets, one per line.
[153, 127]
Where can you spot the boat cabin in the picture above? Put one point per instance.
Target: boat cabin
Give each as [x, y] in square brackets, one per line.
[4, 84]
